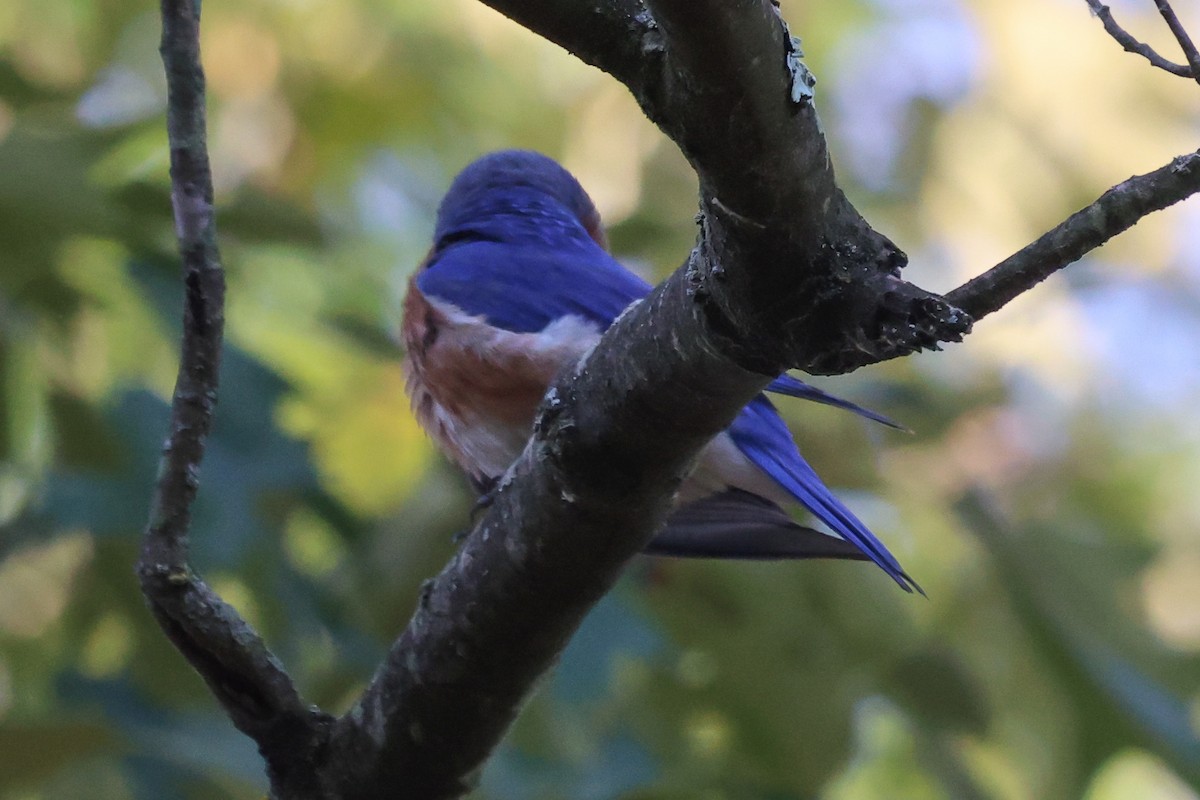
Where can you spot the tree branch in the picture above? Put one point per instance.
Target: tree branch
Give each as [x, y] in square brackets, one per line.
[1115, 211]
[243, 675]
[1181, 36]
[1133, 45]
[724, 79]
[617, 36]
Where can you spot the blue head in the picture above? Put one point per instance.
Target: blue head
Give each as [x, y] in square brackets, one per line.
[519, 242]
[515, 196]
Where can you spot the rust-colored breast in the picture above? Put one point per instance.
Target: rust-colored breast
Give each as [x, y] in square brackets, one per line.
[474, 388]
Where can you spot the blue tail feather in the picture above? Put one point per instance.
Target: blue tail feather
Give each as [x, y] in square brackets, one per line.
[793, 387]
[761, 434]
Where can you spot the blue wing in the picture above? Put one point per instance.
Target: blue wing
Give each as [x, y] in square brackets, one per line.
[761, 434]
[523, 288]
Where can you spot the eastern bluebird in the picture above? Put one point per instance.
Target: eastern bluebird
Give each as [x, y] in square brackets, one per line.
[518, 286]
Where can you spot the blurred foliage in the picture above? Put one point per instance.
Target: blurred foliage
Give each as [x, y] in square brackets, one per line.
[1046, 500]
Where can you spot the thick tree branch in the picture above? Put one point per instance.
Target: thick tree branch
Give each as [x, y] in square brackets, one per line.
[1115, 211]
[232, 659]
[724, 80]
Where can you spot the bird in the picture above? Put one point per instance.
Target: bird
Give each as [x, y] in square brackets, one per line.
[518, 285]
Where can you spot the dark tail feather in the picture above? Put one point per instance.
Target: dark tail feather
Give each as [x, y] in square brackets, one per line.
[739, 525]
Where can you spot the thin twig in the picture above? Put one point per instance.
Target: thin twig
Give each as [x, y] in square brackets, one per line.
[204, 318]
[233, 660]
[1133, 45]
[1181, 36]
[1117, 210]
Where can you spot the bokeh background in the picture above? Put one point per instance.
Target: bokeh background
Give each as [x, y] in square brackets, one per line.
[1058, 654]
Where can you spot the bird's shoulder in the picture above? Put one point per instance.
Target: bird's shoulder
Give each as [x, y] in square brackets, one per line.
[526, 287]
